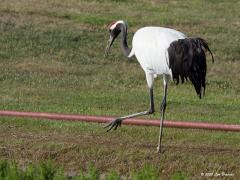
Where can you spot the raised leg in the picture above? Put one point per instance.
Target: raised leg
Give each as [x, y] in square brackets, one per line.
[163, 107]
[117, 122]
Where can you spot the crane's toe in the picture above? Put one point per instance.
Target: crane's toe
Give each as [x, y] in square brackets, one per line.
[113, 124]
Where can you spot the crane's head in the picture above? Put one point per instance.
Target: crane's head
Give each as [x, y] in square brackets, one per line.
[114, 30]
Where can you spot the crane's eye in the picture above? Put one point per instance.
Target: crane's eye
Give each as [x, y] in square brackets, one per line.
[110, 30]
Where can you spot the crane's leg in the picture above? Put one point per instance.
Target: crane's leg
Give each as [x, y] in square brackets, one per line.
[163, 107]
[117, 122]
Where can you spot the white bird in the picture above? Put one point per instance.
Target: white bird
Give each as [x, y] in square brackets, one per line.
[162, 51]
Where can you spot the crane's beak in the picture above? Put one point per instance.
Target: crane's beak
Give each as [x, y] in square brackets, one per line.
[110, 42]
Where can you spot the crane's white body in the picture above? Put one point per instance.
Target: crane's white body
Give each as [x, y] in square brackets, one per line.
[150, 45]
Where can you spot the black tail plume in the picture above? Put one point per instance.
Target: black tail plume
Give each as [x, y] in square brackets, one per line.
[187, 60]
[205, 45]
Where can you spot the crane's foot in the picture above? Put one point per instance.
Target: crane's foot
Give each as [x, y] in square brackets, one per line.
[159, 150]
[113, 124]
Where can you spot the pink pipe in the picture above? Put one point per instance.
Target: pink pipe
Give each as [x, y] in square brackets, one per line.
[141, 122]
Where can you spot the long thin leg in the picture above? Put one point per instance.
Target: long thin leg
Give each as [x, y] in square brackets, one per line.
[117, 122]
[163, 107]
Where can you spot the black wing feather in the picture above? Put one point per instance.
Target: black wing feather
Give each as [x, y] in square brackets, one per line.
[187, 60]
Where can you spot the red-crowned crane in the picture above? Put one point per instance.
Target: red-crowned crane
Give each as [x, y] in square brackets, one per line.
[162, 51]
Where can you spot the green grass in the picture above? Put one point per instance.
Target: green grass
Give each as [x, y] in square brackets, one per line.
[48, 170]
[74, 146]
[52, 60]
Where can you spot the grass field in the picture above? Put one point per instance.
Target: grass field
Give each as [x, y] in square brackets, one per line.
[52, 60]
